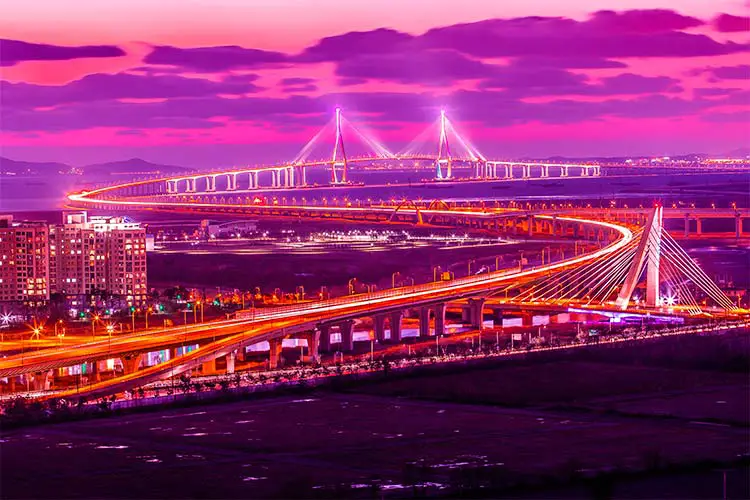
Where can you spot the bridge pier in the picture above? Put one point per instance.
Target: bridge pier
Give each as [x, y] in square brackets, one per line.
[424, 321]
[737, 226]
[396, 326]
[324, 339]
[252, 180]
[439, 312]
[131, 364]
[378, 326]
[476, 313]
[231, 359]
[313, 345]
[347, 335]
[274, 353]
[208, 367]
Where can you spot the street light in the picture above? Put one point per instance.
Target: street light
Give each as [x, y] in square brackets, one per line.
[393, 279]
[471, 261]
[148, 311]
[435, 271]
[94, 319]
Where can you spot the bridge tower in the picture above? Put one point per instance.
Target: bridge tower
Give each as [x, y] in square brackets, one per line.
[339, 154]
[444, 152]
[647, 254]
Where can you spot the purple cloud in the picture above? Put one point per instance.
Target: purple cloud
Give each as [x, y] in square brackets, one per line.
[298, 85]
[100, 86]
[742, 116]
[728, 23]
[642, 21]
[740, 72]
[490, 108]
[561, 38]
[714, 91]
[428, 67]
[296, 81]
[355, 44]
[213, 59]
[14, 51]
[572, 62]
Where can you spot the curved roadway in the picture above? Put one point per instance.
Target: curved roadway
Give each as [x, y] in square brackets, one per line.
[275, 323]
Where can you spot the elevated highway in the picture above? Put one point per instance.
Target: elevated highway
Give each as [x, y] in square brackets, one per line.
[226, 337]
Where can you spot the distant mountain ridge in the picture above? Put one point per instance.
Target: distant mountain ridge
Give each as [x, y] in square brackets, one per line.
[122, 167]
[131, 166]
[16, 167]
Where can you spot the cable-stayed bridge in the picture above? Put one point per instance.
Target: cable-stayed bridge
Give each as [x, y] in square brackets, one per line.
[606, 278]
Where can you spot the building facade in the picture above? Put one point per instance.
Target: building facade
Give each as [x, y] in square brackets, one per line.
[99, 255]
[24, 262]
[80, 258]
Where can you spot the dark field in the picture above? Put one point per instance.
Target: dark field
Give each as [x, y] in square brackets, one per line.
[507, 429]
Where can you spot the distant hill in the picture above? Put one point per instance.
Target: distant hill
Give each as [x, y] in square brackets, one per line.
[15, 167]
[132, 166]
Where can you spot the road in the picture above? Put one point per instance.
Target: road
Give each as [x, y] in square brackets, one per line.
[230, 335]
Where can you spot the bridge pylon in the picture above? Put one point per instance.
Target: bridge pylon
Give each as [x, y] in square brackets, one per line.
[648, 254]
[443, 163]
[339, 162]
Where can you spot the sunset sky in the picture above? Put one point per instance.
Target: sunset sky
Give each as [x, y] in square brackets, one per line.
[228, 82]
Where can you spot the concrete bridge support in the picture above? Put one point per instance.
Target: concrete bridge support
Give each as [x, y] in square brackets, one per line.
[40, 381]
[231, 359]
[378, 325]
[476, 313]
[313, 345]
[347, 335]
[274, 354]
[424, 322]
[324, 338]
[396, 326]
[439, 311]
[131, 364]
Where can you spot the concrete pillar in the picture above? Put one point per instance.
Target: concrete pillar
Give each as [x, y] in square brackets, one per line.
[324, 338]
[424, 321]
[95, 372]
[132, 363]
[313, 346]
[476, 313]
[737, 226]
[439, 312]
[347, 335]
[378, 325]
[274, 354]
[687, 225]
[531, 225]
[527, 319]
[699, 226]
[231, 357]
[396, 326]
[208, 367]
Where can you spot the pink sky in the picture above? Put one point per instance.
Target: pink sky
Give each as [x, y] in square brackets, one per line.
[50, 117]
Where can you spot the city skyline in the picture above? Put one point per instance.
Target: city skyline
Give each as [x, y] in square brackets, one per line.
[580, 80]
